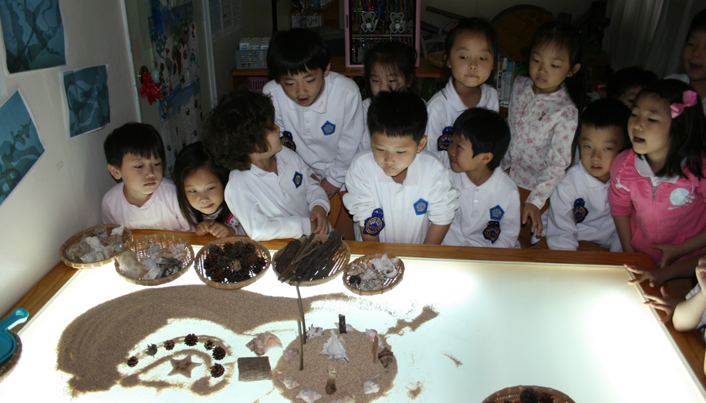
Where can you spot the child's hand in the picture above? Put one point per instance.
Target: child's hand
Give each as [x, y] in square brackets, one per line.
[701, 273]
[219, 230]
[656, 277]
[329, 188]
[202, 228]
[532, 212]
[319, 223]
[670, 253]
[666, 302]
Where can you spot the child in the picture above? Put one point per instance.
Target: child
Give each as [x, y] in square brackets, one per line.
[489, 212]
[694, 57]
[200, 184]
[578, 208]
[624, 84]
[691, 314]
[270, 190]
[543, 119]
[397, 192]
[389, 66]
[658, 191]
[143, 200]
[319, 112]
[471, 48]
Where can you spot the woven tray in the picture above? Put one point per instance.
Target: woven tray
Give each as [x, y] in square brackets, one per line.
[7, 366]
[389, 283]
[127, 237]
[203, 253]
[140, 247]
[513, 394]
[342, 256]
[437, 59]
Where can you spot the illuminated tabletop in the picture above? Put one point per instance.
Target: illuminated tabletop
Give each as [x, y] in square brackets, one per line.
[580, 329]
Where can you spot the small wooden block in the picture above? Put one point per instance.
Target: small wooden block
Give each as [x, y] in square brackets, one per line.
[254, 369]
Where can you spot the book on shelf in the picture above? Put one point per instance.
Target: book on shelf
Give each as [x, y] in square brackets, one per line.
[506, 70]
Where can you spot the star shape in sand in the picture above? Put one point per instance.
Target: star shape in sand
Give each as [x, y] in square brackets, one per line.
[183, 366]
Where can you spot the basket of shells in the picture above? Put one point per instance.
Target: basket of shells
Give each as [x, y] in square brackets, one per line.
[95, 246]
[232, 263]
[312, 259]
[521, 394]
[154, 259]
[373, 274]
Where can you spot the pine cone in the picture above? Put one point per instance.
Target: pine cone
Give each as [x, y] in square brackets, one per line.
[545, 397]
[191, 339]
[219, 353]
[169, 344]
[209, 345]
[217, 370]
[529, 395]
[132, 361]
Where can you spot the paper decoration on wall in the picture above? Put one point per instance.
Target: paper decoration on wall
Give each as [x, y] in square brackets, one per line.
[225, 17]
[20, 145]
[173, 34]
[34, 34]
[87, 99]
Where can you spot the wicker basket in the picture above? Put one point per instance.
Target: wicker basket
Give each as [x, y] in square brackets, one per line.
[203, 253]
[437, 59]
[513, 394]
[342, 256]
[127, 237]
[389, 283]
[140, 246]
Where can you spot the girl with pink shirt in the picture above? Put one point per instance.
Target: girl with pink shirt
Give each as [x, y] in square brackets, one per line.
[657, 193]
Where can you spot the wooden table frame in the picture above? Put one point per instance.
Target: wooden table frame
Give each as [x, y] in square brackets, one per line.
[690, 343]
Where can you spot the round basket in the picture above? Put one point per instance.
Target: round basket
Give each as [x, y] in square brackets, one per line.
[140, 247]
[437, 59]
[387, 285]
[203, 253]
[7, 366]
[513, 394]
[342, 256]
[127, 237]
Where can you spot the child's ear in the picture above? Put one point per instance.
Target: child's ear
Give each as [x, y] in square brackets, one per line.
[328, 68]
[115, 172]
[486, 157]
[575, 70]
[422, 143]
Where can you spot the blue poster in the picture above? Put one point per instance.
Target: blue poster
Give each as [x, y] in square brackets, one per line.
[33, 33]
[87, 99]
[20, 146]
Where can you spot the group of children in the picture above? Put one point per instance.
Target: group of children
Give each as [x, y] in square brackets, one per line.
[451, 171]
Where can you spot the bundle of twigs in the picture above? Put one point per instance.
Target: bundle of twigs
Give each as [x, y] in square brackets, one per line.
[308, 259]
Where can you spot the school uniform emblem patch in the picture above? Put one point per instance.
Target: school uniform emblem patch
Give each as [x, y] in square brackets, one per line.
[297, 179]
[420, 207]
[580, 210]
[492, 231]
[444, 141]
[679, 197]
[375, 223]
[496, 213]
[328, 128]
[288, 141]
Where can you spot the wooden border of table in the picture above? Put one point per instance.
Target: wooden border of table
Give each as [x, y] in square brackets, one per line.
[690, 343]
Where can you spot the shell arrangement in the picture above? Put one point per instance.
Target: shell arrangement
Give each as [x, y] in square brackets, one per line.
[233, 262]
[372, 275]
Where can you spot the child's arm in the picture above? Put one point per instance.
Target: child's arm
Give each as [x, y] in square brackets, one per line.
[562, 231]
[216, 229]
[664, 302]
[510, 222]
[622, 226]
[657, 277]
[361, 198]
[368, 237]
[436, 234]
[319, 223]
[443, 200]
[351, 134]
[318, 203]
[688, 314]
[435, 127]
[671, 252]
[621, 207]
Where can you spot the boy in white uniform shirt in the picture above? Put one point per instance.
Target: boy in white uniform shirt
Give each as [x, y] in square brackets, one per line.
[489, 212]
[579, 216]
[269, 190]
[397, 192]
[319, 112]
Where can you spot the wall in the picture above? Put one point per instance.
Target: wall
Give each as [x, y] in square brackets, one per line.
[61, 195]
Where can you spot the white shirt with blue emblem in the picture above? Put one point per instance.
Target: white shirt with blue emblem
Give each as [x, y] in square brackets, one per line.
[273, 206]
[445, 106]
[326, 133]
[427, 185]
[474, 214]
[559, 220]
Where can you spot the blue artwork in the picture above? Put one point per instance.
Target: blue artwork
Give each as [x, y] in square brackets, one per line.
[87, 99]
[20, 146]
[33, 33]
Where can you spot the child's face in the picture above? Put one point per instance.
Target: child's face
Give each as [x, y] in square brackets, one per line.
[462, 158]
[142, 176]
[304, 88]
[628, 97]
[598, 148]
[648, 127]
[204, 190]
[549, 66]
[695, 56]
[386, 78]
[395, 154]
[471, 59]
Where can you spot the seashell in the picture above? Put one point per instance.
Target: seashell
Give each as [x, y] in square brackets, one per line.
[370, 334]
[314, 332]
[290, 383]
[355, 281]
[130, 266]
[291, 354]
[263, 342]
[385, 356]
[334, 348]
[371, 385]
[331, 383]
[309, 396]
[344, 399]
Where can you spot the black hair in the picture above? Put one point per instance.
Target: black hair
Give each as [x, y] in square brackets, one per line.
[296, 51]
[698, 23]
[398, 114]
[190, 159]
[603, 114]
[140, 139]
[475, 26]
[628, 78]
[566, 37]
[237, 127]
[393, 55]
[487, 131]
[687, 142]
